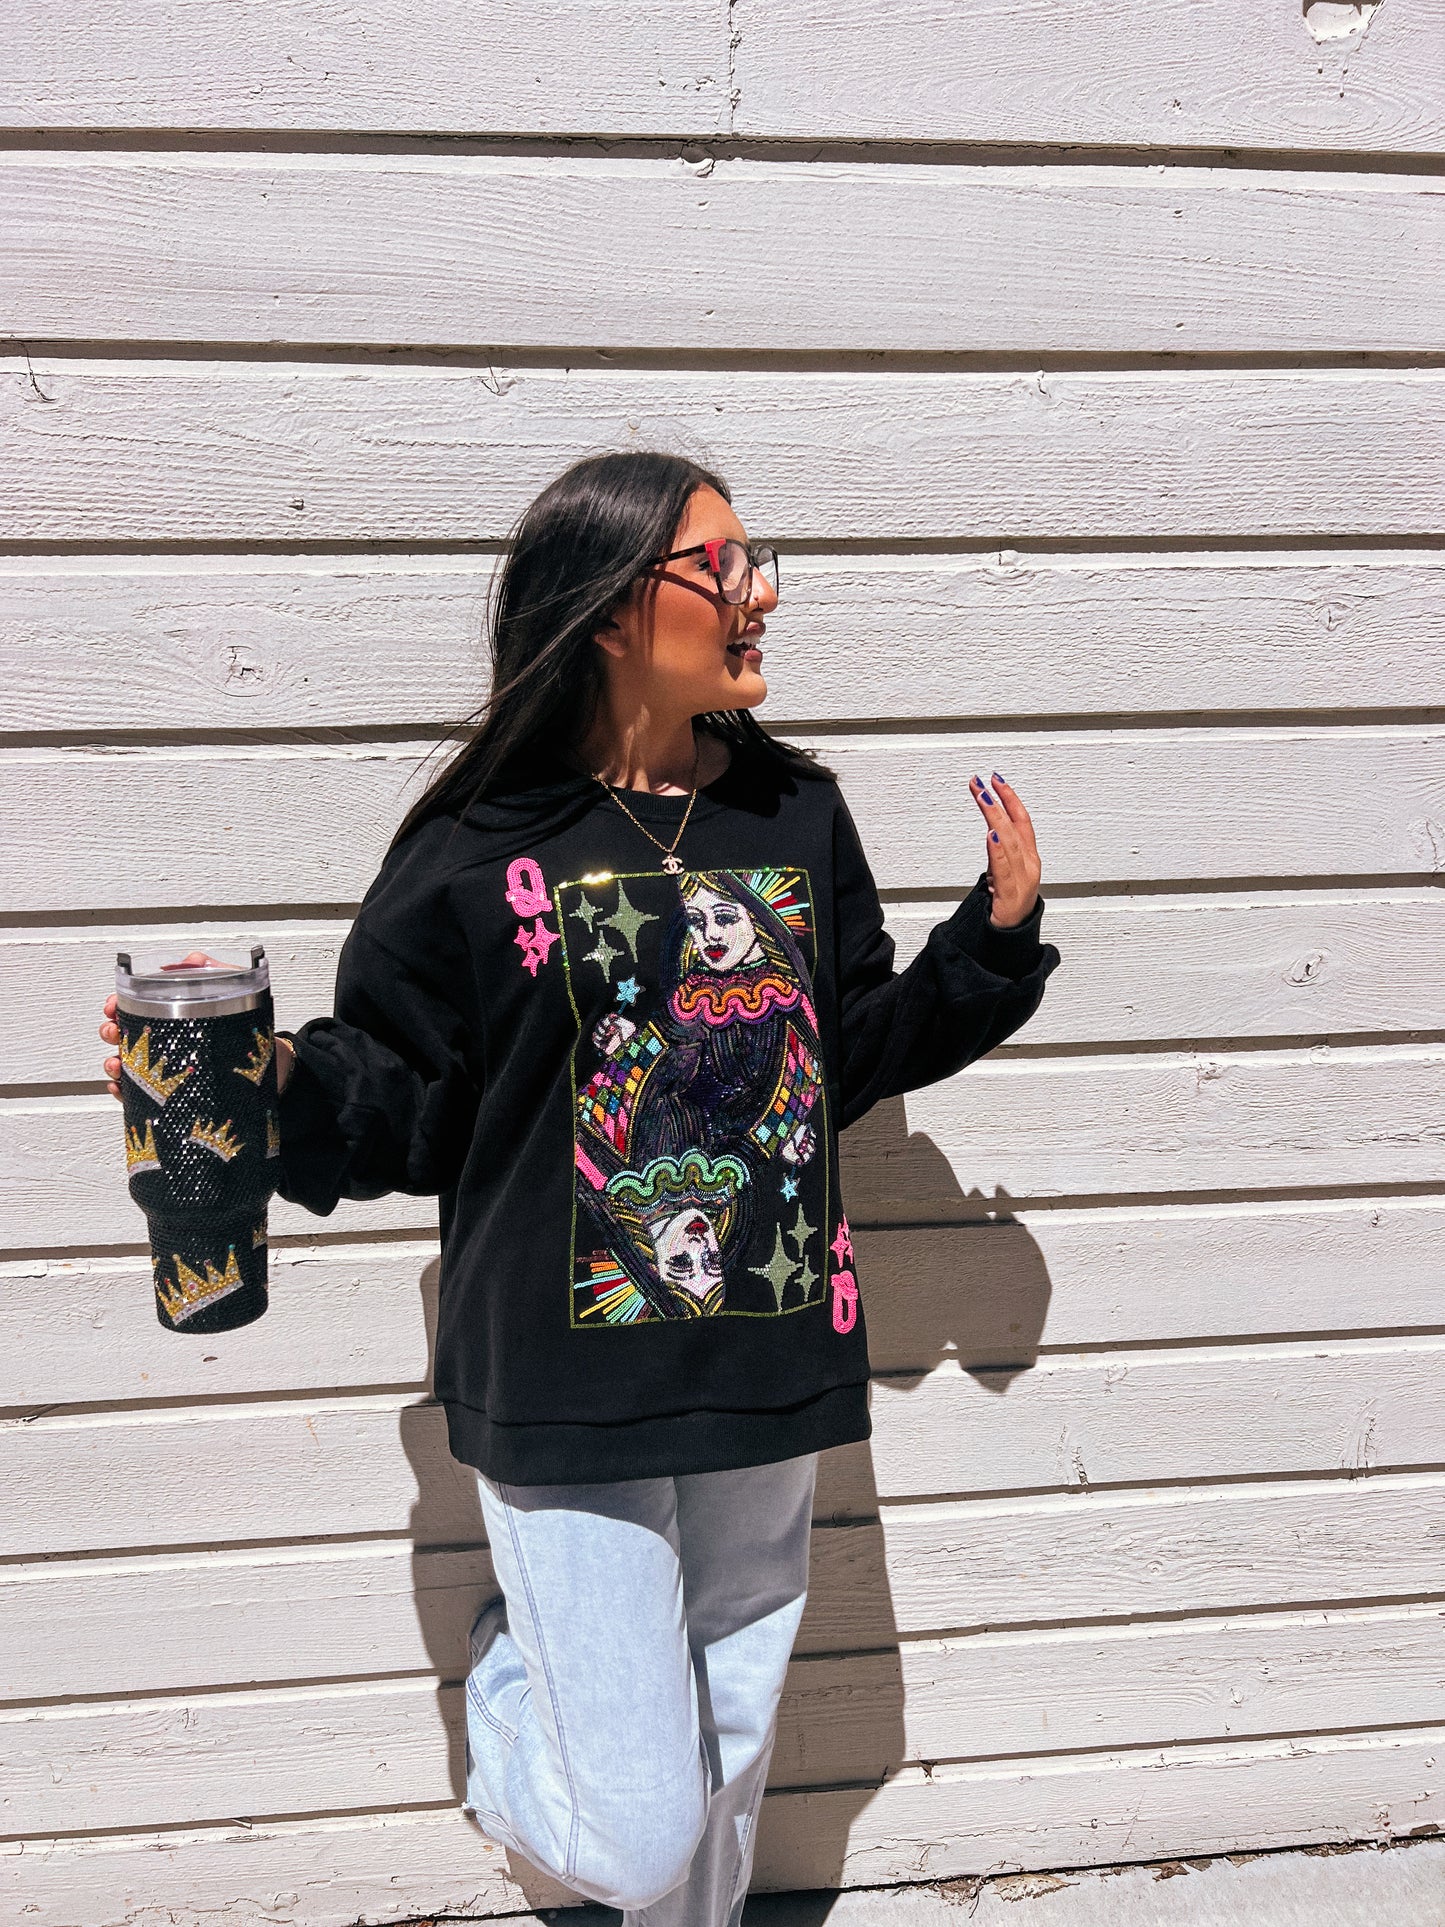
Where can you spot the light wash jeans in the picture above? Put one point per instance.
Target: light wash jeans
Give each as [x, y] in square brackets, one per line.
[623, 1695]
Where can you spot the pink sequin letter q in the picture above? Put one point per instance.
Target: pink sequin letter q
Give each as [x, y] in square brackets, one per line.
[527, 887]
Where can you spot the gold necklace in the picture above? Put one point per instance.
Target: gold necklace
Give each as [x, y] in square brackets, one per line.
[671, 863]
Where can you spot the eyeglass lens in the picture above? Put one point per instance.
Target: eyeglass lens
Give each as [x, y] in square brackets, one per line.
[736, 572]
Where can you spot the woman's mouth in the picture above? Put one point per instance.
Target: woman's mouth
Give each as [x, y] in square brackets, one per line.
[748, 643]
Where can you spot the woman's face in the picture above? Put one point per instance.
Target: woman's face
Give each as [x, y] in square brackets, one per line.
[722, 930]
[675, 647]
[688, 1257]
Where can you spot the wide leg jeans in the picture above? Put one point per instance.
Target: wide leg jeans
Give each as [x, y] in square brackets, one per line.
[623, 1694]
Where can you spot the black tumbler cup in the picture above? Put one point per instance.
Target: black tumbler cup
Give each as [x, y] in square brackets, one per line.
[202, 1133]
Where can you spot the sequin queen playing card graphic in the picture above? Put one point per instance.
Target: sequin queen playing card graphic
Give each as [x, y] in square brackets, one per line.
[701, 1181]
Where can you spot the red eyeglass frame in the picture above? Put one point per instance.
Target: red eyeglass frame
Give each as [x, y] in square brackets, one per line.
[714, 547]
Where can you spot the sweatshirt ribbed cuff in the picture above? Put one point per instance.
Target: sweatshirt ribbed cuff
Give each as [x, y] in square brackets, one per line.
[1009, 953]
[313, 1151]
[305, 1106]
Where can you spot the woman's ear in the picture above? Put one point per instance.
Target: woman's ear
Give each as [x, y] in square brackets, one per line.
[616, 632]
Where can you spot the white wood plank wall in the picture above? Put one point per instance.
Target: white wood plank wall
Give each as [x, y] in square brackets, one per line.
[1086, 363]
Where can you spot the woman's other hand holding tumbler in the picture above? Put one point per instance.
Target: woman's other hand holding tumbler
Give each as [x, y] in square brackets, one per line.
[110, 1031]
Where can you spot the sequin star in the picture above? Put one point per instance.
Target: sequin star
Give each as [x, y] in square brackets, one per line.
[602, 954]
[587, 911]
[842, 1244]
[806, 1275]
[536, 944]
[801, 1230]
[627, 919]
[779, 1269]
[789, 1187]
[628, 991]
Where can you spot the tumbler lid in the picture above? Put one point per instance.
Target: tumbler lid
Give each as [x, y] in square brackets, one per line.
[156, 974]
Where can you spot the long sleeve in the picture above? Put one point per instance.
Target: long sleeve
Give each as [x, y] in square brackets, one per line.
[970, 986]
[384, 1093]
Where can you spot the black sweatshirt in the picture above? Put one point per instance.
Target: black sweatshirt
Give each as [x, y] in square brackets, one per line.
[626, 1088]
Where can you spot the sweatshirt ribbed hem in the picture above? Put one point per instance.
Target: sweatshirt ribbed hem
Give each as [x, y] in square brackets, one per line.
[673, 1445]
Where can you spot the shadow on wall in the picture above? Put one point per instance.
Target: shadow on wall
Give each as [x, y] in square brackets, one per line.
[842, 1730]
[925, 1302]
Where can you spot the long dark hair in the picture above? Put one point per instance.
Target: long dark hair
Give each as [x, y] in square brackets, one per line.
[574, 555]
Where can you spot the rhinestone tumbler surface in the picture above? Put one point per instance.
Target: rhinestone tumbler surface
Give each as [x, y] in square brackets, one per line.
[202, 1144]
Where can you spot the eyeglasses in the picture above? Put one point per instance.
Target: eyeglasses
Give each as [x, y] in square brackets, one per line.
[732, 564]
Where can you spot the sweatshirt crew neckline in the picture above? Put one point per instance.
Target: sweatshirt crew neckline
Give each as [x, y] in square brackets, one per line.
[652, 806]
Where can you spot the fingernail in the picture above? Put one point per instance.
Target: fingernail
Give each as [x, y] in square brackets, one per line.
[994, 835]
[987, 799]
[999, 779]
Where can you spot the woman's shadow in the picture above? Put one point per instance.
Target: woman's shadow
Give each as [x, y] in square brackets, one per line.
[945, 1274]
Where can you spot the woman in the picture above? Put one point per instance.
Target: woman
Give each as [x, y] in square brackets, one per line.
[621, 979]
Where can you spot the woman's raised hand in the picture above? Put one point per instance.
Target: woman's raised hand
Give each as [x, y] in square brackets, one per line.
[110, 1031]
[1013, 856]
[611, 1032]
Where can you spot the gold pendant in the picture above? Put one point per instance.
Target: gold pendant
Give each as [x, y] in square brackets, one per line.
[671, 864]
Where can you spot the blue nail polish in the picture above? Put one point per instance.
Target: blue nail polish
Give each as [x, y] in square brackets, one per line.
[985, 795]
[994, 835]
[999, 779]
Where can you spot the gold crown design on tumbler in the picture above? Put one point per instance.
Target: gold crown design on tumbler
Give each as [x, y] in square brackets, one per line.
[254, 1068]
[140, 1152]
[217, 1138]
[258, 1233]
[136, 1062]
[191, 1291]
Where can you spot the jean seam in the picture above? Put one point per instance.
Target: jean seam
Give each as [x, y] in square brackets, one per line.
[475, 1695]
[569, 1863]
[746, 1835]
[486, 1813]
[508, 1733]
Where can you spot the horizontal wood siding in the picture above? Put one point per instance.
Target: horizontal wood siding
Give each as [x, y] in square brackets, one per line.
[551, 251]
[1174, 74]
[275, 642]
[193, 453]
[1178, 74]
[1085, 365]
